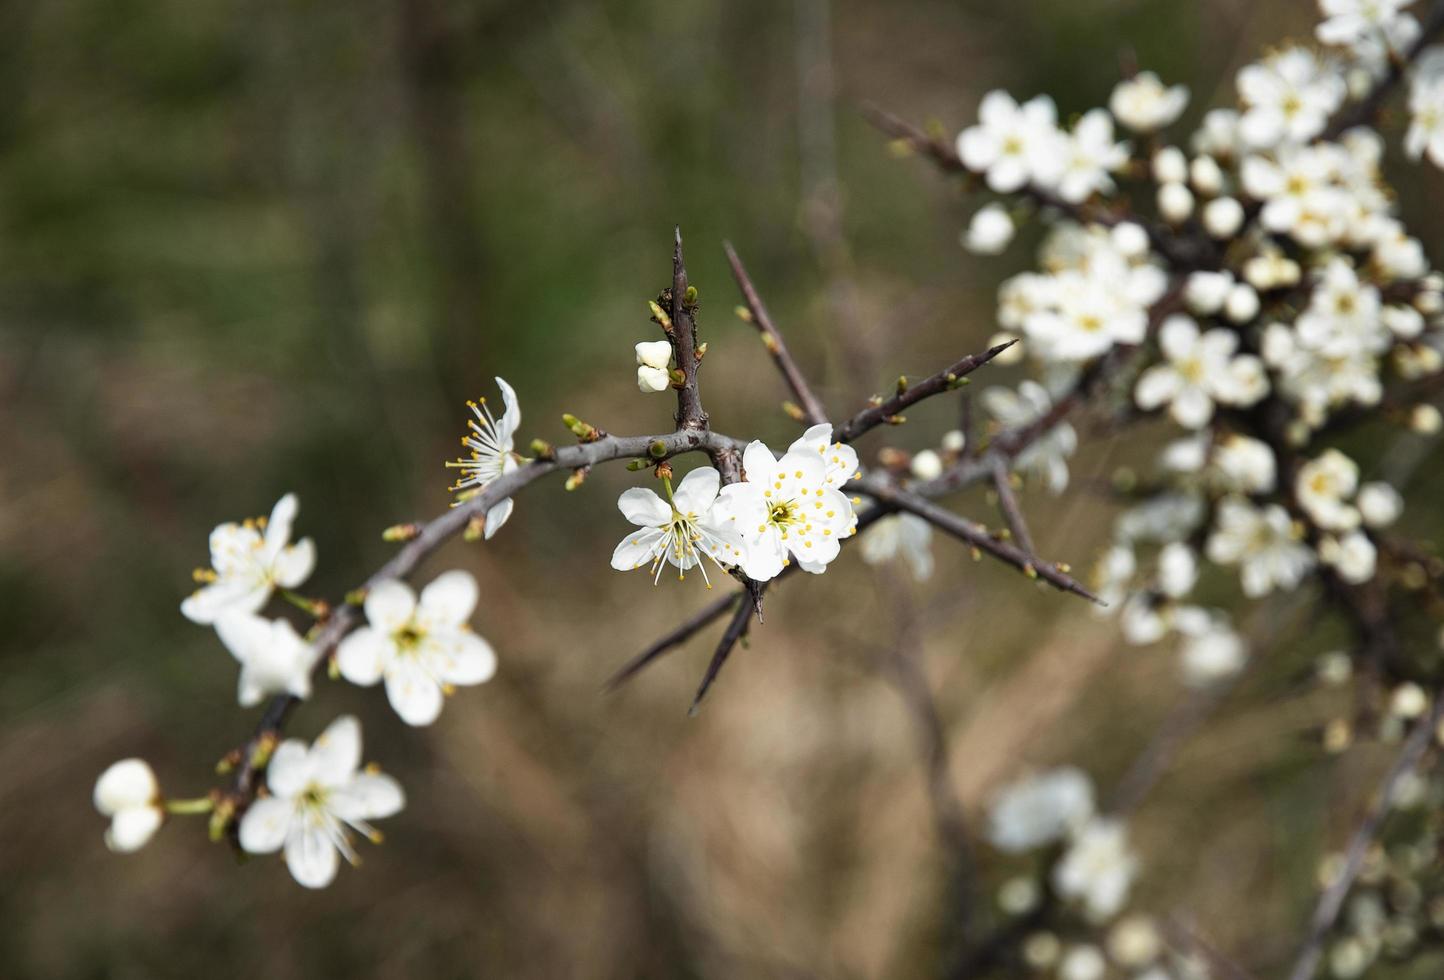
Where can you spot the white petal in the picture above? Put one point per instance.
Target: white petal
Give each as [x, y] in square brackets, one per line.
[362, 655]
[370, 796]
[637, 549]
[243, 633]
[235, 548]
[462, 658]
[336, 753]
[654, 353]
[497, 516]
[127, 783]
[278, 527]
[644, 508]
[449, 600]
[1159, 384]
[294, 565]
[389, 605]
[414, 694]
[263, 828]
[758, 462]
[290, 768]
[210, 602]
[312, 857]
[1192, 408]
[694, 495]
[510, 420]
[132, 829]
[815, 438]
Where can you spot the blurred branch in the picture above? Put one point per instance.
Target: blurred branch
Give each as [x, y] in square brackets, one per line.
[812, 410]
[1008, 506]
[1331, 902]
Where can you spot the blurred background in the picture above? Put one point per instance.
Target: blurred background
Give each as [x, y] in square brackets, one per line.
[247, 248]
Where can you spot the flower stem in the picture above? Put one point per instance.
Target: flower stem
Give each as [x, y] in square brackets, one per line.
[203, 805]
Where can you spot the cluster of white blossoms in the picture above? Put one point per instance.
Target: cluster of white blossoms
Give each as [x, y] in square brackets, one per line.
[783, 510]
[422, 648]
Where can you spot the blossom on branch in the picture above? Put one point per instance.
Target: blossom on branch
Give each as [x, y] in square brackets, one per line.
[1145, 105]
[129, 795]
[249, 560]
[273, 658]
[317, 798]
[492, 452]
[422, 649]
[684, 529]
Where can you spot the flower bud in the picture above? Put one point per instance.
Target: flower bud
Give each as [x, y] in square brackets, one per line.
[990, 231]
[650, 379]
[927, 465]
[654, 353]
[1425, 419]
[1170, 166]
[1206, 176]
[954, 441]
[1222, 217]
[128, 793]
[1129, 238]
[1241, 304]
[1206, 292]
[1175, 203]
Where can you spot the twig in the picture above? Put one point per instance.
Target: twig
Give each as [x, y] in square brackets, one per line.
[976, 535]
[812, 409]
[1326, 913]
[891, 410]
[697, 621]
[1009, 508]
[736, 630]
[683, 335]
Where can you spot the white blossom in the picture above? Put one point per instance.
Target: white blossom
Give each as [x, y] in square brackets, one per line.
[1013, 145]
[1352, 555]
[1040, 809]
[1145, 105]
[905, 536]
[1084, 962]
[1046, 456]
[1263, 542]
[1324, 487]
[791, 508]
[421, 649]
[316, 799]
[273, 657]
[1211, 650]
[129, 795]
[1098, 869]
[492, 453]
[1351, 21]
[1426, 120]
[1289, 96]
[249, 560]
[1201, 369]
[1089, 157]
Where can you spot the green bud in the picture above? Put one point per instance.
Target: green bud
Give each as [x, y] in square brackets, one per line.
[690, 296]
[660, 315]
[638, 464]
[542, 449]
[658, 449]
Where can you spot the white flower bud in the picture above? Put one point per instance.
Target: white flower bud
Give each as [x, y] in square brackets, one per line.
[1408, 701]
[128, 793]
[1082, 963]
[1019, 896]
[1175, 203]
[1223, 217]
[1242, 303]
[651, 379]
[1129, 238]
[927, 465]
[1177, 569]
[1429, 302]
[1353, 556]
[1425, 420]
[1170, 166]
[954, 441]
[1206, 176]
[654, 354]
[1334, 668]
[1402, 321]
[1041, 949]
[1206, 292]
[1134, 942]
[990, 231]
[1379, 504]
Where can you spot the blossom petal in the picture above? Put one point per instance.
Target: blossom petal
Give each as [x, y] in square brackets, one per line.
[242, 633]
[1159, 384]
[370, 796]
[209, 603]
[235, 548]
[263, 828]
[510, 420]
[414, 694]
[362, 655]
[390, 605]
[449, 599]
[463, 658]
[294, 565]
[131, 829]
[336, 753]
[311, 855]
[644, 508]
[290, 768]
[637, 549]
[127, 783]
[697, 491]
[497, 516]
[758, 462]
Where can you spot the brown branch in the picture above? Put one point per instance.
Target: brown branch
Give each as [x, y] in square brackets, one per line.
[696, 622]
[1008, 506]
[812, 410]
[891, 410]
[683, 334]
[736, 630]
[896, 498]
[1326, 913]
